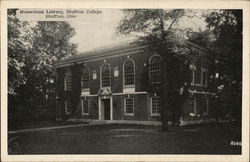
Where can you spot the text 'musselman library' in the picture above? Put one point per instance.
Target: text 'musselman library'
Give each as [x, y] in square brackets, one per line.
[108, 84]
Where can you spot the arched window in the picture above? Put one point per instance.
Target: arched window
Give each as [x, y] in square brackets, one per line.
[105, 72]
[85, 78]
[68, 81]
[155, 69]
[129, 73]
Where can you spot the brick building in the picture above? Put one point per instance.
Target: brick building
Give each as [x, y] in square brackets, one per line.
[111, 84]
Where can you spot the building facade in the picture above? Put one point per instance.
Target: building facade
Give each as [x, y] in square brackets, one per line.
[112, 84]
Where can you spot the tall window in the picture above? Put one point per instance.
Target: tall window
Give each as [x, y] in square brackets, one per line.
[156, 105]
[85, 107]
[68, 81]
[105, 75]
[129, 73]
[198, 76]
[85, 78]
[155, 69]
[129, 106]
[192, 76]
[204, 78]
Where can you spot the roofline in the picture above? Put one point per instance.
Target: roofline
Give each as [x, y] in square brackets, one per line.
[101, 56]
[112, 54]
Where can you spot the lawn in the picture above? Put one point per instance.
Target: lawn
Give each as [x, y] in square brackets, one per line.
[128, 139]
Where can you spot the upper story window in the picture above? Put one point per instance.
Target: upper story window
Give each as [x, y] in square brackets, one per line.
[129, 73]
[68, 81]
[198, 76]
[85, 78]
[155, 69]
[204, 77]
[105, 76]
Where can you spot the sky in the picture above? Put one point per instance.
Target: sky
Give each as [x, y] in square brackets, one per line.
[94, 31]
[98, 31]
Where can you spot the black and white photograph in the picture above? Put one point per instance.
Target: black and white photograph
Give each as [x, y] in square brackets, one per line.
[124, 81]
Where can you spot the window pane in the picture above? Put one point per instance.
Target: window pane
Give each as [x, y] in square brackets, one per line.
[85, 78]
[68, 81]
[192, 77]
[198, 77]
[129, 73]
[85, 106]
[155, 69]
[129, 105]
[156, 105]
[105, 76]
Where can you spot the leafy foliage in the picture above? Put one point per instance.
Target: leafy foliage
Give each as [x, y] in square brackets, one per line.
[157, 29]
[227, 28]
[32, 49]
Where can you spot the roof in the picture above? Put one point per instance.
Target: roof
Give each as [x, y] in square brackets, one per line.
[102, 52]
[114, 49]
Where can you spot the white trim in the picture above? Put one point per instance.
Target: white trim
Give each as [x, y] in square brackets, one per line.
[99, 108]
[142, 92]
[100, 98]
[151, 107]
[83, 107]
[193, 77]
[109, 75]
[155, 54]
[123, 78]
[205, 93]
[125, 107]
[117, 94]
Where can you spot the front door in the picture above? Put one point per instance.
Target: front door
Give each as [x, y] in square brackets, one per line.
[106, 103]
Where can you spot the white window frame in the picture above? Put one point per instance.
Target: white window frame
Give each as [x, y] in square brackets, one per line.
[67, 74]
[154, 55]
[109, 76]
[132, 85]
[193, 77]
[82, 101]
[66, 107]
[199, 84]
[125, 107]
[86, 89]
[151, 106]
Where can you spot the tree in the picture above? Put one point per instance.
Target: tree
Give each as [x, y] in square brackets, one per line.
[226, 26]
[156, 28]
[32, 49]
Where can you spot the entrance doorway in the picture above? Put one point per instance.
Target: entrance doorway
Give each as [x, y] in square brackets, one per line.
[106, 107]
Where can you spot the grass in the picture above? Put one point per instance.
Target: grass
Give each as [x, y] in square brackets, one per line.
[128, 139]
[40, 124]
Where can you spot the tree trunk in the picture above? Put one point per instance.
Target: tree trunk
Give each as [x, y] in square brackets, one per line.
[164, 94]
